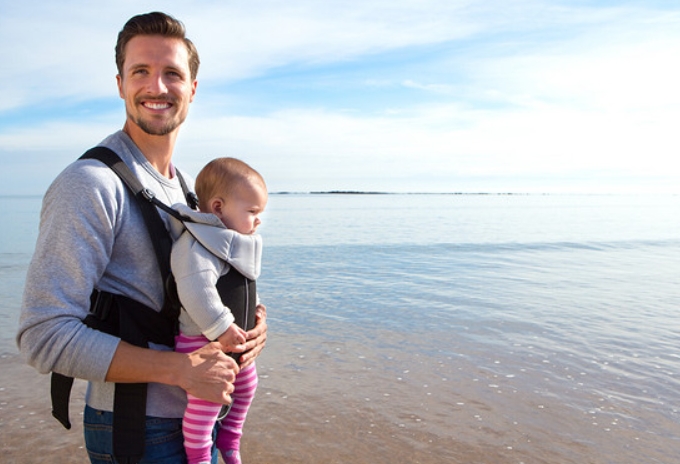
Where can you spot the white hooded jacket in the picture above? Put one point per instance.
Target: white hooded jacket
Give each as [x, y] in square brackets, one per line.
[203, 251]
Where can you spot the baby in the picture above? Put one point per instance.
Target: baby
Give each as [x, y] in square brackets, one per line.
[215, 261]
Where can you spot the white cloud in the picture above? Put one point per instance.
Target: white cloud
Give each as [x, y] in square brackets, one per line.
[65, 50]
[300, 149]
[252, 37]
[523, 95]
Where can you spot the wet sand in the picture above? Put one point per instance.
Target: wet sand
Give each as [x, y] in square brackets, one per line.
[281, 428]
[28, 433]
[332, 401]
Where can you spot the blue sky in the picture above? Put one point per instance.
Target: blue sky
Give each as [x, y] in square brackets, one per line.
[401, 95]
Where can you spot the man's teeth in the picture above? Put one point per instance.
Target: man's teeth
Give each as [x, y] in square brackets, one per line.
[157, 106]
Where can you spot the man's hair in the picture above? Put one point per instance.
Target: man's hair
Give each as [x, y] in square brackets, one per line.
[224, 176]
[155, 23]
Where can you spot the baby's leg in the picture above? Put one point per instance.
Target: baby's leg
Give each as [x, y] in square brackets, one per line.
[200, 416]
[197, 426]
[231, 427]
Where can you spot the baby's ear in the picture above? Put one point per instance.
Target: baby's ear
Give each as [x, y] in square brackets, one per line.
[216, 205]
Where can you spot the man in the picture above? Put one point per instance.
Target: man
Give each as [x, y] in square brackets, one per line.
[93, 236]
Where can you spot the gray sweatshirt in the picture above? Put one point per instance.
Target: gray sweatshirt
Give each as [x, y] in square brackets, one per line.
[92, 235]
[204, 251]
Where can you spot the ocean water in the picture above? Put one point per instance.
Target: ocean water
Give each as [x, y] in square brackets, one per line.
[534, 328]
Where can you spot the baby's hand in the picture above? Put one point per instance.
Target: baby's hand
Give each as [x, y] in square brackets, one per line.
[233, 339]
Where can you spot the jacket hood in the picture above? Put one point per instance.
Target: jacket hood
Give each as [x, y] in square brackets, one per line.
[243, 252]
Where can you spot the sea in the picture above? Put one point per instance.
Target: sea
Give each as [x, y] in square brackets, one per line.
[540, 328]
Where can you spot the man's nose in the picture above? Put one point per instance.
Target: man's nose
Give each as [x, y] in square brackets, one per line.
[157, 85]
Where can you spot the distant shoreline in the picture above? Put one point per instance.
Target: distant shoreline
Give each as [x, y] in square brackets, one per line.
[516, 194]
[369, 192]
[362, 192]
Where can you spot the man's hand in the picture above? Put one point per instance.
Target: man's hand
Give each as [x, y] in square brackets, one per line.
[209, 374]
[257, 337]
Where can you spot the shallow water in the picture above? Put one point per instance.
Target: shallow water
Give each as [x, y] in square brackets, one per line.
[542, 327]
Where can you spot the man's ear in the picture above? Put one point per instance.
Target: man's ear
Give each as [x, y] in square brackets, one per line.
[194, 84]
[119, 83]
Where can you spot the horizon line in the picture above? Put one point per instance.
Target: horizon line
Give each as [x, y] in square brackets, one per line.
[371, 192]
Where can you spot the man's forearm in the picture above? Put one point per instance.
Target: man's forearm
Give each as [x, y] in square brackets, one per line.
[132, 364]
[206, 373]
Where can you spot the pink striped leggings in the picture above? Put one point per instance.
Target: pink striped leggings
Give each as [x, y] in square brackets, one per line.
[200, 415]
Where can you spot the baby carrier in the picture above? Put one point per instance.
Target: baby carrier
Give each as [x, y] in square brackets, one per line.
[139, 325]
[130, 320]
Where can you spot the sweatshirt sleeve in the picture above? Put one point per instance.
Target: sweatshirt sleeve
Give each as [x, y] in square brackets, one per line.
[196, 271]
[77, 229]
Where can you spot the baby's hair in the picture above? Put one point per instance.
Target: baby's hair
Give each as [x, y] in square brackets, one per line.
[222, 176]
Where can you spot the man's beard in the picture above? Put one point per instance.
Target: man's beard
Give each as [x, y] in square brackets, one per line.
[152, 129]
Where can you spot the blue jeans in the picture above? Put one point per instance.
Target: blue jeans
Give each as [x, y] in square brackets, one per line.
[164, 440]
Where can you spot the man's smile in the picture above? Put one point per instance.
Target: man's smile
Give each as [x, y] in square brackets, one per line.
[156, 105]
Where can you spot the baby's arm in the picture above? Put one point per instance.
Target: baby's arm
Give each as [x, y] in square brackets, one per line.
[196, 272]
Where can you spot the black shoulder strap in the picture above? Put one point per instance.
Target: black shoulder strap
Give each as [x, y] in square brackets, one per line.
[159, 234]
[192, 199]
[130, 399]
[148, 203]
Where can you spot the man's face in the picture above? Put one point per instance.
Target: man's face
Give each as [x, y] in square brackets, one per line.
[156, 83]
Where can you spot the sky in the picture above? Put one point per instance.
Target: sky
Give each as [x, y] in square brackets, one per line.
[499, 96]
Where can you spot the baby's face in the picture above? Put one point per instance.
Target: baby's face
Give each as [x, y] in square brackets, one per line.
[241, 211]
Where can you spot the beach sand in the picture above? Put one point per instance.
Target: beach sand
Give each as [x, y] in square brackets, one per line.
[281, 428]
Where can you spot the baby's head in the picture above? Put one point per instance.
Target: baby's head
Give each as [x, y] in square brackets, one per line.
[232, 191]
